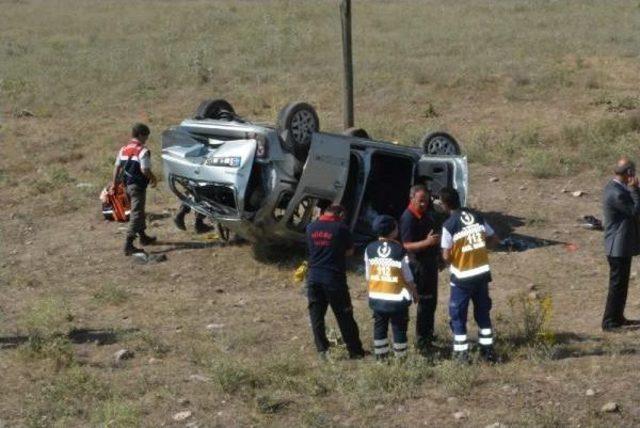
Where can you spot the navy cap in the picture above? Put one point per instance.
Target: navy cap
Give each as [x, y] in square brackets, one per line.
[383, 225]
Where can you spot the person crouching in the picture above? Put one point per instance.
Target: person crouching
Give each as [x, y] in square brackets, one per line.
[391, 287]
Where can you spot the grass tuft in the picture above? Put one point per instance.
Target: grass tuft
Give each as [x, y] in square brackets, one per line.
[233, 376]
[457, 379]
[116, 413]
[73, 393]
[111, 293]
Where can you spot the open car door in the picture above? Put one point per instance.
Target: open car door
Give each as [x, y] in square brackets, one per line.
[437, 172]
[322, 182]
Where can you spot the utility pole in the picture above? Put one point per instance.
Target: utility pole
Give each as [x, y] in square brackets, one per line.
[345, 15]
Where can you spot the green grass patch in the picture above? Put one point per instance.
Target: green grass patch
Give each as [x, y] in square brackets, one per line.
[67, 399]
[112, 294]
[574, 149]
[48, 316]
[116, 413]
[456, 378]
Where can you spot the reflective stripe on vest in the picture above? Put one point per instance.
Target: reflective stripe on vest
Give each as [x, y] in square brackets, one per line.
[469, 257]
[130, 156]
[386, 279]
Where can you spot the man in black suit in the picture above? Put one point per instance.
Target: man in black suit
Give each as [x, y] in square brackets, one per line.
[621, 205]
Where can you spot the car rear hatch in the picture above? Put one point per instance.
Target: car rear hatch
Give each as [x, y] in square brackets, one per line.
[209, 174]
[444, 171]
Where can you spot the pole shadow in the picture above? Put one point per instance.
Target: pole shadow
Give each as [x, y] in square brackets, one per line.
[77, 335]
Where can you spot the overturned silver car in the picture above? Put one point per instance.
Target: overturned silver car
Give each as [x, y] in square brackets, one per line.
[265, 181]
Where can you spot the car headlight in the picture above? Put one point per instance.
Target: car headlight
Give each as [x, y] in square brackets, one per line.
[230, 161]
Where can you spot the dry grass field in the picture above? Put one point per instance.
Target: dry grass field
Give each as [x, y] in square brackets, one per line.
[542, 94]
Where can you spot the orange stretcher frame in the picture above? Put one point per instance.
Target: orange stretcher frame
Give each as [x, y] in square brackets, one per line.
[120, 203]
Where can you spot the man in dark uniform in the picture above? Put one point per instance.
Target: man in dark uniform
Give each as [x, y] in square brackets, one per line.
[329, 242]
[134, 165]
[621, 205]
[420, 239]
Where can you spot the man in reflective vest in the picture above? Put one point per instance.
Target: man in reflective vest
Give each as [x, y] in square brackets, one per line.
[391, 287]
[134, 164]
[465, 236]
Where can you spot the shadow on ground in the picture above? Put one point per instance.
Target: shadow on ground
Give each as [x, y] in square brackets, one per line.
[77, 336]
[156, 216]
[188, 245]
[505, 226]
[570, 345]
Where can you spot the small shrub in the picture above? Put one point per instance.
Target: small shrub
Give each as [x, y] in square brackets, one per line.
[531, 319]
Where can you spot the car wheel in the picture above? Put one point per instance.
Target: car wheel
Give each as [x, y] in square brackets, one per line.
[296, 123]
[356, 132]
[440, 143]
[214, 109]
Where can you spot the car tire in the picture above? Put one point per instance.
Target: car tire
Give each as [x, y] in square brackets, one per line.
[296, 123]
[356, 132]
[214, 109]
[440, 144]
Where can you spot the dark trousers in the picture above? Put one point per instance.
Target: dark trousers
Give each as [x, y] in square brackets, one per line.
[186, 209]
[459, 307]
[619, 270]
[426, 278]
[138, 197]
[399, 323]
[321, 296]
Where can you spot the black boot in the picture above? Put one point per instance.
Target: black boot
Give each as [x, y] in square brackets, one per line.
[461, 357]
[129, 249]
[200, 226]
[179, 218]
[146, 239]
[488, 354]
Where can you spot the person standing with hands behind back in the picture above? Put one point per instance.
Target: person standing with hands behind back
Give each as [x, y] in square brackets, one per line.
[422, 242]
[621, 206]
